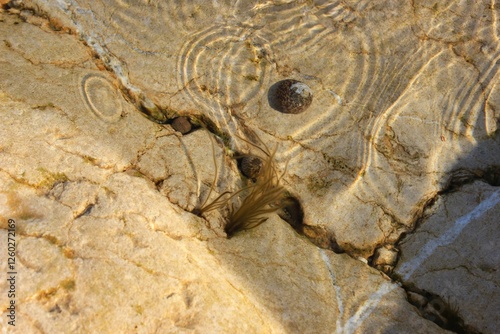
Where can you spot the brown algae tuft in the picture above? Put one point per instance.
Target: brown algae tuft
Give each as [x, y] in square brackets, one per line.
[264, 196]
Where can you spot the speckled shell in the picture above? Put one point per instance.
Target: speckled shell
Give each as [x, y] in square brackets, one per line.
[181, 124]
[251, 166]
[293, 97]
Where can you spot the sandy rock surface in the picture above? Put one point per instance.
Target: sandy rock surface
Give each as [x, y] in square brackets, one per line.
[101, 186]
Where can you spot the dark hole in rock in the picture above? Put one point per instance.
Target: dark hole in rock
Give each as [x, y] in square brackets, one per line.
[492, 175]
[293, 214]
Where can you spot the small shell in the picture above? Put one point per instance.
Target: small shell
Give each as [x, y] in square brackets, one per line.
[251, 166]
[181, 124]
[292, 96]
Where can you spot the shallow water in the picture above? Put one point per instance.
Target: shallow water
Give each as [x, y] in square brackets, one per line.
[403, 93]
[406, 98]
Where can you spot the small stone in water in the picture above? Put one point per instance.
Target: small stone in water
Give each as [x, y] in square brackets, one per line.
[181, 124]
[292, 96]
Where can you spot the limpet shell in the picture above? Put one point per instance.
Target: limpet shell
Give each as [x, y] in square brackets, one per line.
[251, 166]
[181, 124]
[292, 96]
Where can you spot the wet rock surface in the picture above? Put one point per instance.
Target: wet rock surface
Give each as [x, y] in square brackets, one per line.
[102, 195]
[453, 255]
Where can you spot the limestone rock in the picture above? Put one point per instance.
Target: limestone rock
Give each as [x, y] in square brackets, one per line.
[101, 187]
[454, 254]
[382, 136]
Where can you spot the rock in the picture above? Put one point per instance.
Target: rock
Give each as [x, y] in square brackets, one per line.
[417, 299]
[101, 189]
[250, 166]
[453, 255]
[380, 154]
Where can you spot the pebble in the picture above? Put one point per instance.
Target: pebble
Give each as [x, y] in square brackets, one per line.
[385, 256]
[293, 97]
[182, 124]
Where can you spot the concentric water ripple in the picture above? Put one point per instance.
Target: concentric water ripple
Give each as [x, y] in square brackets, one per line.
[369, 82]
[101, 97]
[223, 68]
[396, 145]
[401, 90]
[145, 24]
